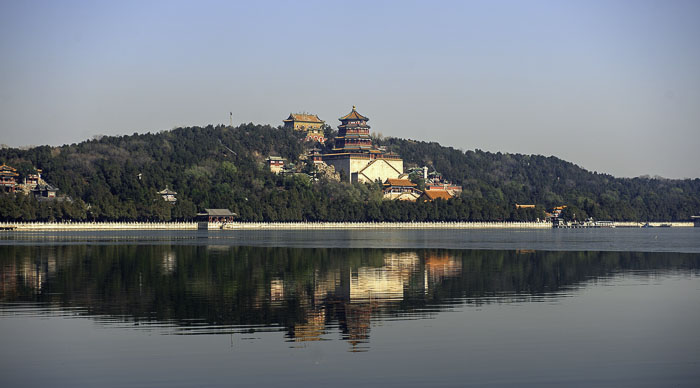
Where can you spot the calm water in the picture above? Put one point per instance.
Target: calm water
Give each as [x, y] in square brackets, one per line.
[381, 308]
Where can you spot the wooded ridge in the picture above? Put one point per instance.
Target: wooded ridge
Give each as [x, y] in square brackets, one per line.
[119, 177]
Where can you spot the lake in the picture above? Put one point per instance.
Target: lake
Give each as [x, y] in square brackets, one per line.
[587, 307]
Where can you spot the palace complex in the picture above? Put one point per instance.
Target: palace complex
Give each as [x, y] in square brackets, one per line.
[33, 184]
[354, 153]
[359, 160]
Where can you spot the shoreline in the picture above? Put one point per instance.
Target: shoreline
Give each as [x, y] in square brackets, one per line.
[118, 226]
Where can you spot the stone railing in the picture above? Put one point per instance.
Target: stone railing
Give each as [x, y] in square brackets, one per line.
[68, 226]
[384, 225]
[631, 224]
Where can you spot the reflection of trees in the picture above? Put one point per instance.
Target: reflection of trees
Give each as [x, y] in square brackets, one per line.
[303, 290]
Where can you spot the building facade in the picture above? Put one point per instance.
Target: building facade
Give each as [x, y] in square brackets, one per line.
[168, 195]
[275, 163]
[8, 178]
[209, 216]
[432, 195]
[33, 179]
[401, 189]
[311, 124]
[44, 191]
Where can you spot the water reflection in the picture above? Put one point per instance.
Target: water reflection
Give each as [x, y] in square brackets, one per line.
[311, 294]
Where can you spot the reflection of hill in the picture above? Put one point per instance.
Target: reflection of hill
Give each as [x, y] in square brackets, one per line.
[304, 290]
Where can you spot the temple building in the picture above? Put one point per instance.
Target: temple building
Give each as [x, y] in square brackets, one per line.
[315, 156]
[44, 192]
[214, 216]
[354, 153]
[275, 163]
[401, 189]
[33, 179]
[435, 181]
[311, 124]
[8, 178]
[432, 195]
[168, 195]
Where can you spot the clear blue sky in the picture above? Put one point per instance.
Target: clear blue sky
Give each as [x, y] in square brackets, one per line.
[613, 86]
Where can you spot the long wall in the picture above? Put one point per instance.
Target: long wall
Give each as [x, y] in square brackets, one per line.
[625, 224]
[387, 225]
[68, 226]
[75, 226]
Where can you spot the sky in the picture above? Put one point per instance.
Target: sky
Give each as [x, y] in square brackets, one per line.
[612, 86]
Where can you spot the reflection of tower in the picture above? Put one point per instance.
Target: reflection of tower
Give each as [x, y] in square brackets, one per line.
[314, 327]
[8, 280]
[357, 323]
[325, 283]
[32, 273]
[276, 292]
[168, 263]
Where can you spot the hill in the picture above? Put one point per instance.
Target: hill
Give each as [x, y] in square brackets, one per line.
[118, 177]
[549, 181]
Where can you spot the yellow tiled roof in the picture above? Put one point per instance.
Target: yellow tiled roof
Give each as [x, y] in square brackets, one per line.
[353, 116]
[399, 182]
[7, 170]
[305, 117]
[435, 194]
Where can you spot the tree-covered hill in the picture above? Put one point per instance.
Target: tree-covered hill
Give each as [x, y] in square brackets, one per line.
[117, 178]
[549, 181]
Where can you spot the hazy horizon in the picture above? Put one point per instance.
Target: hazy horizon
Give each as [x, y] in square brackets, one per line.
[611, 86]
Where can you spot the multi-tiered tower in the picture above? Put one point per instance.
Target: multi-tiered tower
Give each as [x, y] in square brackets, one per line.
[353, 134]
[354, 153]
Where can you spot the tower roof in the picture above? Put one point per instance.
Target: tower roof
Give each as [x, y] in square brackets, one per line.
[167, 191]
[353, 116]
[7, 170]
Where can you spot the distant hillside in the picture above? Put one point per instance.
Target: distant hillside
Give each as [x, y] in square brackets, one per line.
[550, 181]
[117, 178]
